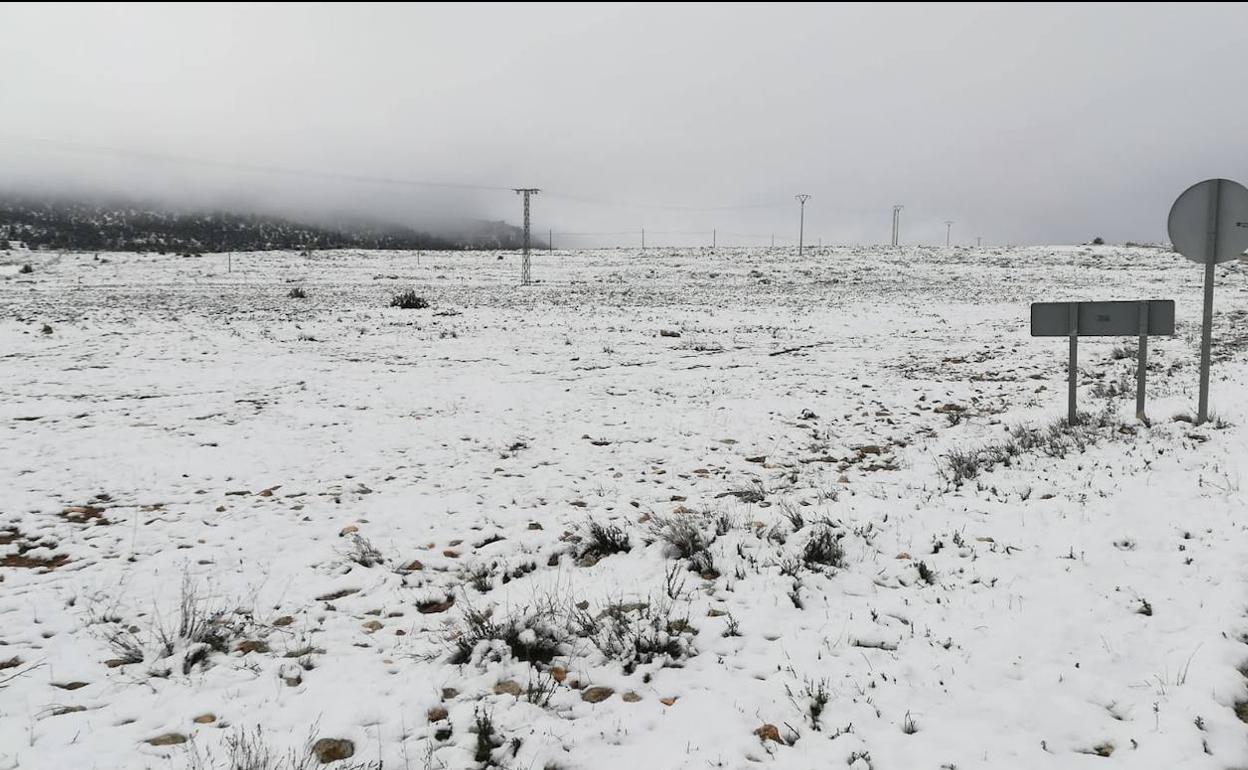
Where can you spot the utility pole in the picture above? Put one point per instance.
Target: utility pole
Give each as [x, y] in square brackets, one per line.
[979, 241]
[550, 239]
[714, 240]
[773, 240]
[525, 273]
[801, 228]
[948, 230]
[897, 223]
[643, 239]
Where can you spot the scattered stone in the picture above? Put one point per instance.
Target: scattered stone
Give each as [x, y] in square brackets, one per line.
[597, 694]
[168, 739]
[413, 566]
[437, 714]
[902, 555]
[508, 687]
[333, 749]
[253, 645]
[558, 673]
[630, 697]
[347, 530]
[668, 333]
[204, 719]
[70, 685]
[534, 525]
[373, 626]
[449, 693]
[758, 459]
[668, 701]
[769, 732]
[283, 621]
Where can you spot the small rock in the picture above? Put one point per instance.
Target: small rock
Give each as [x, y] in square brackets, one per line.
[413, 566]
[534, 525]
[373, 626]
[252, 645]
[204, 719]
[630, 697]
[291, 674]
[347, 530]
[902, 555]
[597, 694]
[508, 687]
[284, 620]
[769, 733]
[558, 673]
[668, 333]
[449, 693]
[437, 714]
[168, 739]
[333, 749]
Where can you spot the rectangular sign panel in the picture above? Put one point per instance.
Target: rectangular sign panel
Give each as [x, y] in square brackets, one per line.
[1101, 319]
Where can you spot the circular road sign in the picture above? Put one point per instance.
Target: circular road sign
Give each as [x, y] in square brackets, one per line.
[1209, 221]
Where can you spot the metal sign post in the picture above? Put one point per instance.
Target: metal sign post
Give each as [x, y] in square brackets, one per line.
[1153, 317]
[1072, 368]
[1141, 364]
[1208, 224]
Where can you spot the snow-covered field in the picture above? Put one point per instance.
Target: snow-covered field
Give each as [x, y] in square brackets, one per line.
[662, 509]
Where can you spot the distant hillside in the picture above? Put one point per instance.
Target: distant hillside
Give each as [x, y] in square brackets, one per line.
[92, 226]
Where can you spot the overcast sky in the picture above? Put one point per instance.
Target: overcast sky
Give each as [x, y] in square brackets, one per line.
[1041, 124]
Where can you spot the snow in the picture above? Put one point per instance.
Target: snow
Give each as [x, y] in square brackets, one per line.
[181, 424]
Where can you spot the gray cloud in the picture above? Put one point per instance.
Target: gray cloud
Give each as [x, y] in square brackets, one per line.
[1045, 123]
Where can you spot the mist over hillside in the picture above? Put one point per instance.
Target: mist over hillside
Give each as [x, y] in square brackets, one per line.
[113, 224]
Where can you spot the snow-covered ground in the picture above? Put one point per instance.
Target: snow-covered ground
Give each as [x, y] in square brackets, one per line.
[325, 518]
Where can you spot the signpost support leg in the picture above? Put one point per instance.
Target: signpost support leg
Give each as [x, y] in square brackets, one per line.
[1072, 415]
[1141, 363]
[1206, 339]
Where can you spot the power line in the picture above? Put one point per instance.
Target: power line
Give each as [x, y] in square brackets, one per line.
[363, 178]
[249, 167]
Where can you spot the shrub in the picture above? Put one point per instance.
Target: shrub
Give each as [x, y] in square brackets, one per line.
[26, 269]
[684, 534]
[534, 635]
[409, 300]
[637, 633]
[297, 293]
[605, 539]
[824, 548]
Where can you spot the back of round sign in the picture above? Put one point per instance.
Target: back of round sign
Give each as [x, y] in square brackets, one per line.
[1209, 224]
[1209, 221]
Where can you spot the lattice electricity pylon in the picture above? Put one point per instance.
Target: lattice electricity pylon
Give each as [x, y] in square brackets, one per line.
[525, 269]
